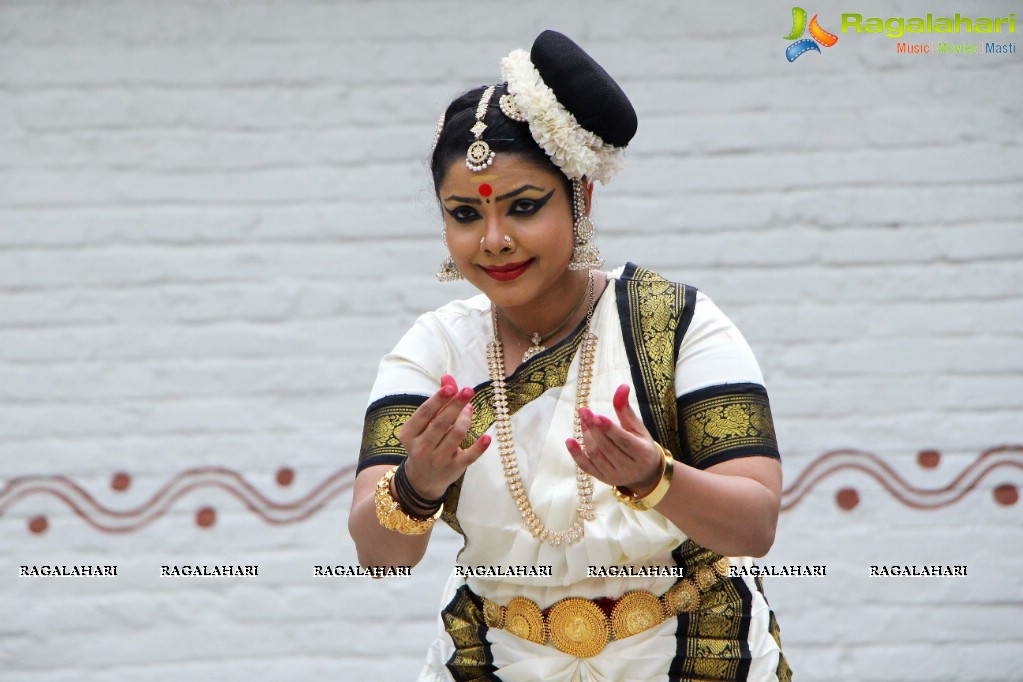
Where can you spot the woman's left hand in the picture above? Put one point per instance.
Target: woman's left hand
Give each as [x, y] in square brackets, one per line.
[622, 454]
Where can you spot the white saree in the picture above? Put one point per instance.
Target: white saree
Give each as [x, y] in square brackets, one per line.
[452, 340]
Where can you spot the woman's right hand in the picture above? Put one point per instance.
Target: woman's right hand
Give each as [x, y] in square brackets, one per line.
[432, 437]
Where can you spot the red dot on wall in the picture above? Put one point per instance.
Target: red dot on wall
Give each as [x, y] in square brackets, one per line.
[120, 481]
[1006, 495]
[928, 459]
[285, 476]
[847, 498]
[206, 517]
[38, 524]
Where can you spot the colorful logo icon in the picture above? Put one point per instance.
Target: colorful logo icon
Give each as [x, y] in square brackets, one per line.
[818, 36]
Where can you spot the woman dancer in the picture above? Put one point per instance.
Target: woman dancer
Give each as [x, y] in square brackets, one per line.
[603, 442]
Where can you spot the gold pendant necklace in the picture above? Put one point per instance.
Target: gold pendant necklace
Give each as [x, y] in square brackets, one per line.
[506, 442]
[535, 338]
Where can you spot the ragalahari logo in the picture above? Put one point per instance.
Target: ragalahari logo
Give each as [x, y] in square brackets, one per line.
[818, 35]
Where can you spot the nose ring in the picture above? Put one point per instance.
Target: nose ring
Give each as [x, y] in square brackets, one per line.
[507, 242]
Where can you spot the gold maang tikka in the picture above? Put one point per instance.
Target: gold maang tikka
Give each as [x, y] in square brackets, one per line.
[479, 154]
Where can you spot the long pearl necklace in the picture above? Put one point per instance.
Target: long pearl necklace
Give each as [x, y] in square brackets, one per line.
[506, 442]
[535, 338]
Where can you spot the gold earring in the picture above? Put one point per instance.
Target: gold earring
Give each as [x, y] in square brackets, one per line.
[585, 255]
[448, 272]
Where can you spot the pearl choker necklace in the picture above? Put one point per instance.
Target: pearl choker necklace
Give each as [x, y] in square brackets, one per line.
[506, 442]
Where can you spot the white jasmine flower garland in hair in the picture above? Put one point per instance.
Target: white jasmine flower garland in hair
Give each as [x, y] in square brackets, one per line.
[575, 150]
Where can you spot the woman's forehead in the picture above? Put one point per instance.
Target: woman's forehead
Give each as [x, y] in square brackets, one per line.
[507, 170]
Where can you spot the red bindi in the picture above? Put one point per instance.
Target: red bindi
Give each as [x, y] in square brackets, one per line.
[486, 190]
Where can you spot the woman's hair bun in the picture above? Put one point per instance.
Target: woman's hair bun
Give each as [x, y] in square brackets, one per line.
[584, 88]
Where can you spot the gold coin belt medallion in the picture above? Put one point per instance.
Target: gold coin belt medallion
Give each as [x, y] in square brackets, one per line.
[705, 578]
[636, 612]
[578, 627]
[523, 618]
[493, 614]
[683, 597]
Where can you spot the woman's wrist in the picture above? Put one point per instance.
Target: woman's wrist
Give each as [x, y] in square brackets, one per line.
[393, 515]
[410, 499]
[656, 492]
[647, 485]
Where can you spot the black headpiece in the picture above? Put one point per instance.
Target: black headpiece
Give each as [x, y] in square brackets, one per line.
[584, 88]
[576, 112]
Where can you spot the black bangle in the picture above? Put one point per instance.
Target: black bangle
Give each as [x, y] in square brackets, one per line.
[411, 508]
[424, 502]
[412, 501]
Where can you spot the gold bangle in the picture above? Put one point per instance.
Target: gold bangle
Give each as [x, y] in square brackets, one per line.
[392, 516]
[652, 498]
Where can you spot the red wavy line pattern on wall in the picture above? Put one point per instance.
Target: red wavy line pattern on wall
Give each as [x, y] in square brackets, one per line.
[832, 463]
[19, 491]
[110, 520]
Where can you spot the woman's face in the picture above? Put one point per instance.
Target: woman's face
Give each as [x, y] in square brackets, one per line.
[517, 198]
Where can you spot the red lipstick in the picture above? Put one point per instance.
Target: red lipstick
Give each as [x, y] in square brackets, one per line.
[507, 272]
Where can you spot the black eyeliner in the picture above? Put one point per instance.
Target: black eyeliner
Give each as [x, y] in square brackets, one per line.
[453, 213]
[539, 203]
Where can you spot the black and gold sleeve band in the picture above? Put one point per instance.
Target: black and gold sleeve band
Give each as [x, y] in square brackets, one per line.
[384, 419]
[726, 422]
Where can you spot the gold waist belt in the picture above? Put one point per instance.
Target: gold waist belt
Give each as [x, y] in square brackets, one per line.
[583, 627]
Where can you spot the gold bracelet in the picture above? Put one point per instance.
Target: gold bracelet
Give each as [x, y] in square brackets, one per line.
[652, 498]
[392, 516]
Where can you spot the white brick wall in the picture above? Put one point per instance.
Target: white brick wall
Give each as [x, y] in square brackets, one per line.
[215, 217]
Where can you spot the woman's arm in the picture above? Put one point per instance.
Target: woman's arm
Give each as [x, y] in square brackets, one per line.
[431, 438]
[376, 545]
[730, 508]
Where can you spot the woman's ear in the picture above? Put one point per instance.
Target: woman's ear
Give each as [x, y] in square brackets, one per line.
[588, 186]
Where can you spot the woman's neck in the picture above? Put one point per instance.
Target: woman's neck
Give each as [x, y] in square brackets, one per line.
[553, 316]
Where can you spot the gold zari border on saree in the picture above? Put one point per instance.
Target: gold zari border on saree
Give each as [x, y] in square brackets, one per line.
[652, 309]
[731, 423]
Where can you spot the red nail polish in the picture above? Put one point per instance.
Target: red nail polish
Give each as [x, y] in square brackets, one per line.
[621, 397]
[447, 392]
